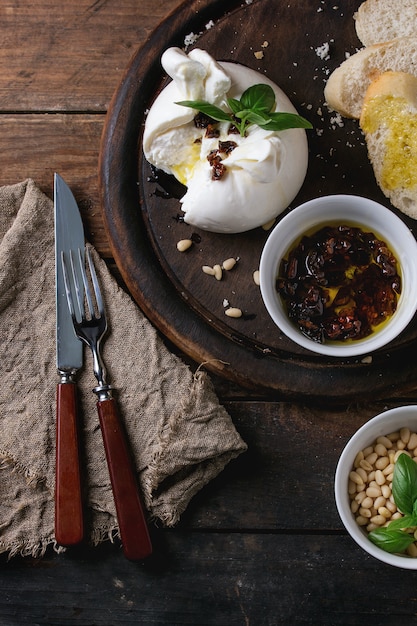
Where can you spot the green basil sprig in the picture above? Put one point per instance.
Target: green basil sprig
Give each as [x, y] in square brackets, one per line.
[256, 106]
[393, 538]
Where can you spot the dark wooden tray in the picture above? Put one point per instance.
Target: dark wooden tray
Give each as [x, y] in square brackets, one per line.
[141, 211]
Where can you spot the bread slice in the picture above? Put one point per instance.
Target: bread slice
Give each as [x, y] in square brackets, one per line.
[377, 21]
[389, 122]
[346, 86]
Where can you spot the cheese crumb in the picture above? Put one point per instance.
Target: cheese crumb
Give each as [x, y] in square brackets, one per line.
[259, 54]
[323, 51]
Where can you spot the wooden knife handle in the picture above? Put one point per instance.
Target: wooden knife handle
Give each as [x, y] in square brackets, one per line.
[69, 527]
[130, 515]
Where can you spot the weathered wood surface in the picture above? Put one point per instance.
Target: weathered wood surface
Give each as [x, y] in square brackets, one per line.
[262, 544]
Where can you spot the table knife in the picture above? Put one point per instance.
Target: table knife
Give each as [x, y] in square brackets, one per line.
[69, 234]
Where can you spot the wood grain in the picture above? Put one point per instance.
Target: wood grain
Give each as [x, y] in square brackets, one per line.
[260, 545]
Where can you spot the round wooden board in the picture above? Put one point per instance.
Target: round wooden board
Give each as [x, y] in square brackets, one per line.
[141, 211]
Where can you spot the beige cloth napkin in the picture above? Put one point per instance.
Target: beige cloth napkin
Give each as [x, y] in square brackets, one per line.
[180, 435]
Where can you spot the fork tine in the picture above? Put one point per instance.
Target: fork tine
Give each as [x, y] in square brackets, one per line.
[86, 284]
[96, 285]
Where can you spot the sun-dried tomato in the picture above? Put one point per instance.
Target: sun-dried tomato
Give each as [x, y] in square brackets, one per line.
[339, 283]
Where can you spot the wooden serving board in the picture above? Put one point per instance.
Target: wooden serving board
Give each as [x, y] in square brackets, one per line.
[141, 210]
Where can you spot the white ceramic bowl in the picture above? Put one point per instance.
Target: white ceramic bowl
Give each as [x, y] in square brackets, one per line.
[383, 424]
[369, 215]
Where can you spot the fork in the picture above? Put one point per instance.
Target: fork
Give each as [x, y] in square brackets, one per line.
[90, 326]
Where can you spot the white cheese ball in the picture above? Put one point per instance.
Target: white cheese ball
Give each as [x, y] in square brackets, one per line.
[264, 172]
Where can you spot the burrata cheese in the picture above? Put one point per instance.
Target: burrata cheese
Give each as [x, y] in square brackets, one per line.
[263, 172]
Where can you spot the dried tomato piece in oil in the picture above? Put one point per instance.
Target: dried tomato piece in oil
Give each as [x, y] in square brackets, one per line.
[339, 283]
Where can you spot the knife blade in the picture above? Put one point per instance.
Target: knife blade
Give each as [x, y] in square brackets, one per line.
[69, 234]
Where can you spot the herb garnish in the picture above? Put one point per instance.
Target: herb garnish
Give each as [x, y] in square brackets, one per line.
[393, 538]
[256, 106]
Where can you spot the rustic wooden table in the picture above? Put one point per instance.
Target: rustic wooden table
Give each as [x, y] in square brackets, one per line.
[263, 543]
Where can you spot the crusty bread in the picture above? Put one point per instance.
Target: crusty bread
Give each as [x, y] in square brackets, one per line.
[377, 21]
[346, 87]
[389, 122]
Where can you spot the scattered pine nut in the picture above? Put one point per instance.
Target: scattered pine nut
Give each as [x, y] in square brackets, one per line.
[233, 312]
[229, 264]
[256, 279]
[208, 270]
[217, 272]
[184, 244]
[268, 225]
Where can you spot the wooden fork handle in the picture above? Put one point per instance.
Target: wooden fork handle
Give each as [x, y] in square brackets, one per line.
[130, 515]
[69, 527]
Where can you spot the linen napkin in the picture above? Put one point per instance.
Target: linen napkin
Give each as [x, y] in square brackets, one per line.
[180, 436]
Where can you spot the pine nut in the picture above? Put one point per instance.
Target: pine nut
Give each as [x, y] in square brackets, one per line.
[358, 458]
[385, 442]
[412, 550]
[405, 434]
[412, 442]
[229, 264]
[351, 488]
[361, 496]
[256, 278]
[217, 272]
[354, 477]
[382, 462]
[384, 512]
[365, 512]
[388, 469]
[365, 465]
[386, 491]
[354, 506]
[379, 477]
[372, 458]
[380, 449]
[208, 270]
[362, 521]
[367, 502]
[184, 244]
[234, 312]
[268, 225]
[379, 501]
[362, 473]
[379, 520]
[373, 492]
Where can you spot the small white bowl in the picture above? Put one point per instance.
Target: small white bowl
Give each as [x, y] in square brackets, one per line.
[383, 424]
[342, 209]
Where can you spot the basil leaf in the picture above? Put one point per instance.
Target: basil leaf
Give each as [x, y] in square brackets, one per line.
[256, 117]
[404, 484]
[208, 109]
[235, 105]
[391, 540]
[407, 521]
[284, 121]
[258, 98]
